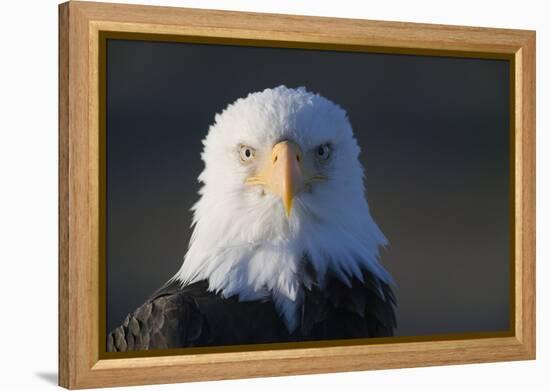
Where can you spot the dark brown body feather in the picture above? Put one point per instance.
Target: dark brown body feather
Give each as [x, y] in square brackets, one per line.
[176, 317]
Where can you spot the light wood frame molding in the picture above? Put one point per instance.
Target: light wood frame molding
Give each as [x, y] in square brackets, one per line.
[80, 24]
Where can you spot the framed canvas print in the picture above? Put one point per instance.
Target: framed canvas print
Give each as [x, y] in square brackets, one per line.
[251, 195]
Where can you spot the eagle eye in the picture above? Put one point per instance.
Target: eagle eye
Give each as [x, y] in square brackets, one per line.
[322, 152]
[246, 153]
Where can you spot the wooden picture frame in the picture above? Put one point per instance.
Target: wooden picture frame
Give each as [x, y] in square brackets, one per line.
[81, 25]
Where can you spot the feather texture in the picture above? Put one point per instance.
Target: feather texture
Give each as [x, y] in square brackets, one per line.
[194, 316]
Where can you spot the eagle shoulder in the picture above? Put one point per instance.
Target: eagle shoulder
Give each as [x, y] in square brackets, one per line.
[176, 317]
[169, 318]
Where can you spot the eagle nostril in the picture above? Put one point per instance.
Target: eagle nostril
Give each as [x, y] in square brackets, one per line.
[298, 158]
[275, 159]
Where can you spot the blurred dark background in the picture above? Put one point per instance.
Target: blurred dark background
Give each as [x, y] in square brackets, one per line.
[434, 138]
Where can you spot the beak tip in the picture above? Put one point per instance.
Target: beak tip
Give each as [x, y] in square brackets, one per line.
[288, 208]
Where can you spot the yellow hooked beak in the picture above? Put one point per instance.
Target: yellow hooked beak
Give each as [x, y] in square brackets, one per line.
[282, 175]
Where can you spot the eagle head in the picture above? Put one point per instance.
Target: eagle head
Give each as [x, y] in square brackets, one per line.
[282, 191]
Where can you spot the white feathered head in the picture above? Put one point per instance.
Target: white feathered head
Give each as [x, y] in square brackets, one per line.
[282, 184]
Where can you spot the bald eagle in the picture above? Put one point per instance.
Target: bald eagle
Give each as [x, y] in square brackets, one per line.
[284, 247]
